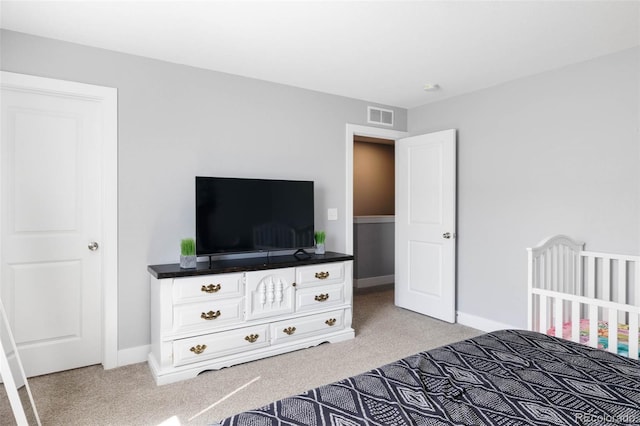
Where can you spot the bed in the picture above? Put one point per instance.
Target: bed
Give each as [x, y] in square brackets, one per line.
[507, 377]
[586, 297]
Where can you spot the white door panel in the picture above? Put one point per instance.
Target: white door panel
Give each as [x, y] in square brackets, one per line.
[425, 268]
[425, 224]
[51, 199]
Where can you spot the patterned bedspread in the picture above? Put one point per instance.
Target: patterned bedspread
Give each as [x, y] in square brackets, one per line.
[509, 377]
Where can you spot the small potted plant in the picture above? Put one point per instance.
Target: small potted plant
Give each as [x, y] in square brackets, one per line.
[319, 237]
[188, 257]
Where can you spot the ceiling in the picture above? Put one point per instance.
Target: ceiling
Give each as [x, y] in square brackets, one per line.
[379, 51]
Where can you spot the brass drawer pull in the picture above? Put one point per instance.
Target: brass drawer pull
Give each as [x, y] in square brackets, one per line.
[289, 330]
[210, 315]
[252, 338]
[211, 288]
[198, 349]
[322, 297]
[322, 275]
[330, 322]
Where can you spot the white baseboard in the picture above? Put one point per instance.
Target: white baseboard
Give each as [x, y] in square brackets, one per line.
[483, 324]
[133, 355]
[373, 281]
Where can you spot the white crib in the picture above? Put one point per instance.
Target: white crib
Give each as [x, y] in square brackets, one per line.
[587, 297]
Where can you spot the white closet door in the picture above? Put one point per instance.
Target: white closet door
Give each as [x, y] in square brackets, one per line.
[425, 224]
[52, 221]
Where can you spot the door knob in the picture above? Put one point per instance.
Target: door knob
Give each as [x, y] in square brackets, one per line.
[93, 246]
[446, 235]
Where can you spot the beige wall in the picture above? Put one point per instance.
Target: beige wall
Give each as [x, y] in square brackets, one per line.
[373, 179]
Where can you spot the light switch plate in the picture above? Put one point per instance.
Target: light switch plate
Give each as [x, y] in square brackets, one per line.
[332, 214]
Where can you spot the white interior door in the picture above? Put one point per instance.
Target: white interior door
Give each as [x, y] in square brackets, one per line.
[425, 224]
[52, 221]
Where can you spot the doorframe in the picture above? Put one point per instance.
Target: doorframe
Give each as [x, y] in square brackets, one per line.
[351, 131]
[108, 97]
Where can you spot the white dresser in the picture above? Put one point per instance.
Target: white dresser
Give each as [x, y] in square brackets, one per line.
[234, 311]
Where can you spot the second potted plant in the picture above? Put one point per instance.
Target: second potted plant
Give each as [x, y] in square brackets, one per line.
[319, 237]
[188, 258]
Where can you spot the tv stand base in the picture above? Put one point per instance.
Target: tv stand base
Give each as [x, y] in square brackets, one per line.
[300, 254]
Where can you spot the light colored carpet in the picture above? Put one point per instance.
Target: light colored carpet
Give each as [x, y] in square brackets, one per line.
[129, 396]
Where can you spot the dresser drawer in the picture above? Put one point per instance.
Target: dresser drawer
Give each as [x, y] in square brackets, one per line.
[297, 328]
[216, 345]
[319, 297]
[207, 287]
[326, 273]
[207, 315]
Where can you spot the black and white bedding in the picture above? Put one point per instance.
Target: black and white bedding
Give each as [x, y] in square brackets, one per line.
[509, 377]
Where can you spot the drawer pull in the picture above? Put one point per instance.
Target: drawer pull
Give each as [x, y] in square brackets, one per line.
[322, 275]
[211, 288]
[210, 315]
[289, 330]
[330, 322]
[322, 297]
[252, 338]
[198, 349]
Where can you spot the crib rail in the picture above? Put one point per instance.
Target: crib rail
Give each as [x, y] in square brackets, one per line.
[567, 284]
[552, 308]
[555, 264]
[611, 277]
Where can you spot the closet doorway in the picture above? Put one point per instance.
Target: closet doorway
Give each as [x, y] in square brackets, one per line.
[373, 211]
[360, 223]
[425, 240]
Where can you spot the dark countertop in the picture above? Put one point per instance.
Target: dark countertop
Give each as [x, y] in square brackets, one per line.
[173, 270]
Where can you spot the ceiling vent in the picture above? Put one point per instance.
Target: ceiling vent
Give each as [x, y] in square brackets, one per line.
[380, 116]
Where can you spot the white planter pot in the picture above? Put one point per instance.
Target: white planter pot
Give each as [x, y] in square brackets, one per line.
[188, 262]
[320, 248]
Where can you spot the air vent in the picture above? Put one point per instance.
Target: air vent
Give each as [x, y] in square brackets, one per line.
[380, 116]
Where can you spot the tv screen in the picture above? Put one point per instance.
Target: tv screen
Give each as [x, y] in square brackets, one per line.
[235, 215]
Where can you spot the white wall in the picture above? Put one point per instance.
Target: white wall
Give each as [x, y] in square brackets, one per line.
[558, 152]
[176, 122]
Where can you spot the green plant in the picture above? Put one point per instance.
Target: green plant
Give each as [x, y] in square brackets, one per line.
[319, 236]
[188, 247]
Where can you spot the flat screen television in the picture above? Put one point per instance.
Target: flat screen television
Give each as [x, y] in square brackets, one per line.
[236, 215]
